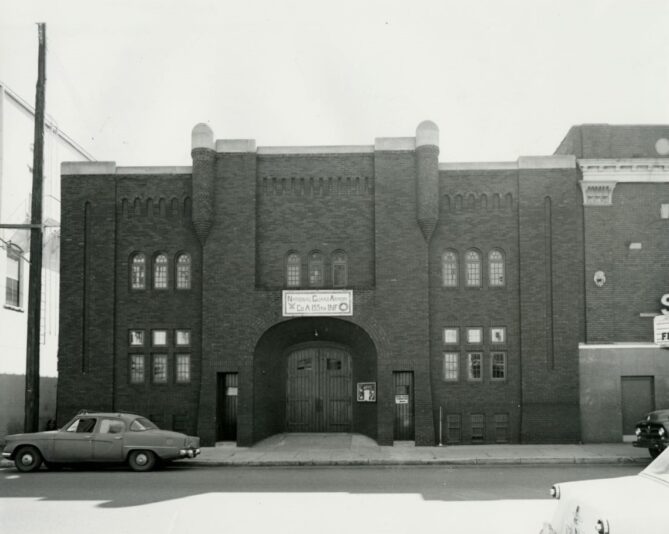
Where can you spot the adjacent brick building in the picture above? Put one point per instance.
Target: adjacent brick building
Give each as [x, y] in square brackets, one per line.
[368, 289]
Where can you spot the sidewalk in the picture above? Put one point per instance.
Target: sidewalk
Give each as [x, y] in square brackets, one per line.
[355, 449]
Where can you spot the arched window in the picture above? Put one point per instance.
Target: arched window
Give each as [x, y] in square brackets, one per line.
[138, 271]
[183, 271]
[316, 269]
[293, 270]
[473, 268]
[339, 269]
[449, 269]
[160, 272]
[496, 268]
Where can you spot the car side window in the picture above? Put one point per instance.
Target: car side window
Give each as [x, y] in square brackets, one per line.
[83, 424]
[111, 426]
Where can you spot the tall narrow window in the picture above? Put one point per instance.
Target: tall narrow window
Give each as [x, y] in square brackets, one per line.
[478, 427]
[137, 368]
[451, 371]
[160, 272]
[498, 363]
[13, 280]
[183, 271]
[449, 269]
[160, 368]
[183, 368]
[316, 266]
[138, 272]
[496, 268]
[474, 365]
[453, 428]
[473, 268]
[339, 269]
[293, 268]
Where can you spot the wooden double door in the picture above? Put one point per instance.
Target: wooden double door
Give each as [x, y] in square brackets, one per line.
[319, 390]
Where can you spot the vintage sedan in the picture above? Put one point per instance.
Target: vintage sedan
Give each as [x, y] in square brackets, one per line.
[624, 505]
[103, 438]
[653, 432]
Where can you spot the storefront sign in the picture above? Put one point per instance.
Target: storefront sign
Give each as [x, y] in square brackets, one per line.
[401, 399]
[665, 304]
[317, 303]
[661, 329]
[366, 392]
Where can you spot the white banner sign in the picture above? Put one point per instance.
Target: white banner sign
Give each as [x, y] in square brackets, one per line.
[317, 303]
[661, 329]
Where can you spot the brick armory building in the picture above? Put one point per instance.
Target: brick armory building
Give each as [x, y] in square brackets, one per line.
[364, 289]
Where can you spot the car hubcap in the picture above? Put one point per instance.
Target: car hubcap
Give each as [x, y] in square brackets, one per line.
[27, 459]
[141, 459]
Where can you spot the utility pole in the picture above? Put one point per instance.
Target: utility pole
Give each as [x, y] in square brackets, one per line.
[31, 421]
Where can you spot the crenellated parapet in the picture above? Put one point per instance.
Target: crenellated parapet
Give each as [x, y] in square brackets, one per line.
[427, 177]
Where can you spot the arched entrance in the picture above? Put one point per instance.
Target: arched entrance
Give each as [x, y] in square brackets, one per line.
[305, 373]
[318, 389]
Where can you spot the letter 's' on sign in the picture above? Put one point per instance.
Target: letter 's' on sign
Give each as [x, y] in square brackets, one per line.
[665, 303]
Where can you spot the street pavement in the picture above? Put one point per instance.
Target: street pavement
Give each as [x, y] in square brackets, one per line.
[297, 449]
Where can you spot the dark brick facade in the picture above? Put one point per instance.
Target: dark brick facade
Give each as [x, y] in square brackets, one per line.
[394, 210]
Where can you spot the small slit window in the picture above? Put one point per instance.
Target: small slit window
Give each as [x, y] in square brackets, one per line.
[293, 268]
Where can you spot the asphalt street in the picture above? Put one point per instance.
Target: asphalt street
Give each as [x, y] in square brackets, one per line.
[183, 499]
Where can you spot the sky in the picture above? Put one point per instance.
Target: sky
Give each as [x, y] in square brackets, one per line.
[128, 79]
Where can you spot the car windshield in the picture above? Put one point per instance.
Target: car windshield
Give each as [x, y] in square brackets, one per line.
[142, 423]
[660, 466]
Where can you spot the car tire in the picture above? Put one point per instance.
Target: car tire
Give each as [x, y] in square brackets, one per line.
[28, 459]
[141, 460]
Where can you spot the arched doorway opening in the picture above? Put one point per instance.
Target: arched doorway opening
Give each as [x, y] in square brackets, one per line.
[305, 373]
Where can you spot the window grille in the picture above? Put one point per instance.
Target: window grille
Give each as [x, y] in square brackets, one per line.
[183, 271]
[474, 360]
[160, 272]
[496, 268]
[478, 428]
[339, 269]
[293, 274]
[451, 365]
[183, 368]
[316, 266]
[160, 368]
[502, 427]
[137, 368]
[473, 268]
[138, 272]
[453, 428]
[498, 366]
[449, 269]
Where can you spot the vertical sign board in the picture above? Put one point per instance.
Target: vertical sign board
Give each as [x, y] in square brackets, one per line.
[661, 330]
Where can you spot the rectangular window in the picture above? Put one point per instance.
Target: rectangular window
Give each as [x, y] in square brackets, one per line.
[293, 275]
[474, 365]
[498, 371]
[137, 368]
[136, 338]
[451, 336]
[13, 278]
[498, 335]
[501, 427]
[159, 338]
[159, 368]
[182, 338]
[451, 361]
[453, 428]
[664, 211]
[478, 428]
[183, 368]
[475, 335]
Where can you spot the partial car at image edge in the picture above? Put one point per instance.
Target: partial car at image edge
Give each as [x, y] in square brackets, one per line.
[100, 437]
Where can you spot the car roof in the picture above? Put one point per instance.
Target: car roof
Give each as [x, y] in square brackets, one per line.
[121, 415]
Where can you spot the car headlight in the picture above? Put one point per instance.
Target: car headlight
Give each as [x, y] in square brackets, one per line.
[602, 527]
[661, 432]
[555, 492]
[637, 431]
